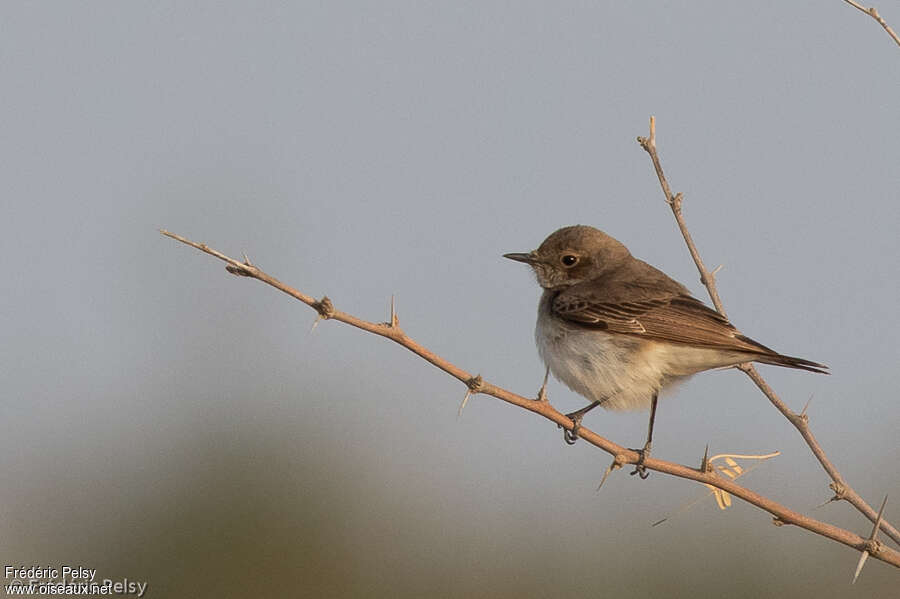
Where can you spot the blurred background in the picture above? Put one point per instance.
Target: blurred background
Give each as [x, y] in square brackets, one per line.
[169, 423]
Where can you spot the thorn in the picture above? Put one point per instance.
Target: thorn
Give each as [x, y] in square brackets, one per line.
[246, 259]
[463, 404]
[859, 566]
[542, 394]
[803, 411]
[394, 320]
[872, 545]
[616, 463]
[827, 501]
[705, 466]
[716, 270]
[475, 385]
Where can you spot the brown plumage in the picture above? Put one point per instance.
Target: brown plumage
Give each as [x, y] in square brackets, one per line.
[651, 305]
[618, 331]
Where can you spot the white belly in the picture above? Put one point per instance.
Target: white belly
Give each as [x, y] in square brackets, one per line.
[620, 371]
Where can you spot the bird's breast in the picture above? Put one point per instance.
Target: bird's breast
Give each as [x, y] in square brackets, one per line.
[609, 368]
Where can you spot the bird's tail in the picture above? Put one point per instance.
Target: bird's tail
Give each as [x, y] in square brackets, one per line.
[792, 362]
[770, 356]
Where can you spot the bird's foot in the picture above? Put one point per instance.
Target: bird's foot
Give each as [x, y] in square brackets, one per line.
[639, 468]
[570, 436]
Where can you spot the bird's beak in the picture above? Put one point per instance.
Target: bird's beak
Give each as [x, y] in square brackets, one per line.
[528, 258]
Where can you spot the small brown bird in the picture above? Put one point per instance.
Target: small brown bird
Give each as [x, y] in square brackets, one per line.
[618, 331]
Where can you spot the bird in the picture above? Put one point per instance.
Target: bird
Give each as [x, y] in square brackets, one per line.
[619, 331]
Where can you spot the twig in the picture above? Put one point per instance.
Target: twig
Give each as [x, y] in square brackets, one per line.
[674, 201]
[872, 12]
[476, 384]
[800, 421]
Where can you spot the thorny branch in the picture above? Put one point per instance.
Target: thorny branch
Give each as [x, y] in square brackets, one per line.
[476, 384]
[873, 12]
[839, 485]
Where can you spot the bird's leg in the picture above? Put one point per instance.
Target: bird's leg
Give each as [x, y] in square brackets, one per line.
[542, 394]
[639, 468]
[570, 436]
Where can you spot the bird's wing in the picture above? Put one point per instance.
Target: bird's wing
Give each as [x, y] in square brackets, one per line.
[670, 317]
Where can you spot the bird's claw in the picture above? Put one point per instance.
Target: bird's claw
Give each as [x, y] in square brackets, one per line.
[640, 469]
[570, 436]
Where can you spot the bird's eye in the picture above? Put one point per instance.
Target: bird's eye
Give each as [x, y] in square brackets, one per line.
[569, 260]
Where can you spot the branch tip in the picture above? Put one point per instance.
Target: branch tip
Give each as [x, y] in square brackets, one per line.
[873, 12]
[649, 143]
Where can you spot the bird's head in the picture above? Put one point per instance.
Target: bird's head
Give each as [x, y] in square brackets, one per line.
[572, 255]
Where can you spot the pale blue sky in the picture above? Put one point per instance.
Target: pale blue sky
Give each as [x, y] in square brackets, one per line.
[168, 422]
